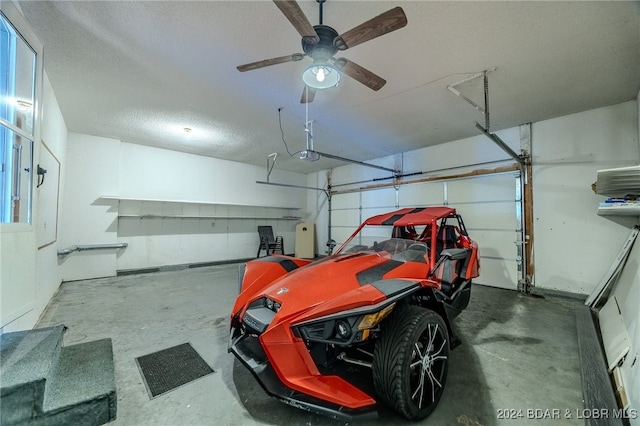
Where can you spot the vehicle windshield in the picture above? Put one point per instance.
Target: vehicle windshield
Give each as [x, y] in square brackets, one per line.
[381, 238]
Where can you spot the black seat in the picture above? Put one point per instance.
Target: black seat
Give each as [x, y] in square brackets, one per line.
[450, 268]
[268, 242]
[447, 238]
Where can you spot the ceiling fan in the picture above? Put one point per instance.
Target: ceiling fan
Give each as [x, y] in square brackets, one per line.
[321, 43]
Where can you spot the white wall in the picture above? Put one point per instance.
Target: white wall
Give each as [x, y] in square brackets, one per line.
[92, 170]
[54, 135]
[105, 167]
[17, 276]
[160, 174]
[24, 267]
[574, 246]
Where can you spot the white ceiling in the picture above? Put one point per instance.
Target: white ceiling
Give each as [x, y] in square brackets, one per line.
[141, 71]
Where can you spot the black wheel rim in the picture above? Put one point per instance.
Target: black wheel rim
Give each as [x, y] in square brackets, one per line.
[428, 366]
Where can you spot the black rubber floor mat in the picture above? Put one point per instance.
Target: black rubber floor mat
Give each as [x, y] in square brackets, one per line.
[170, 368]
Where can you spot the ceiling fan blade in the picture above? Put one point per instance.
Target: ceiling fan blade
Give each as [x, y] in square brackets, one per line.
[296, 16]
[308, 94]
[382, 24]
[269, 62]
[361, 74]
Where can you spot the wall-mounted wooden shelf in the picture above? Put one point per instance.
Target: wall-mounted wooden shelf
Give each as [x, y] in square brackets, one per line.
[156, 216]
[209, 203]
[153, 208]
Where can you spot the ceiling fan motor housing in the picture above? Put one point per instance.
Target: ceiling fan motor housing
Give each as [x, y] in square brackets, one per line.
[324, 49]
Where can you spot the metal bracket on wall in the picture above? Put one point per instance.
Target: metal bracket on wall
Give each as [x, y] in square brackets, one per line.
[288, 185]
[495, 138]
[486, 130]
[452, 88]
[396, 172]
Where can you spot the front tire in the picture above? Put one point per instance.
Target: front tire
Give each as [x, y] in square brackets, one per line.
[410, 361]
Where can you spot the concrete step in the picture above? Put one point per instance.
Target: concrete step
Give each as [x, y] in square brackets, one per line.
[82, 390]
[45, 383]
[26, 359]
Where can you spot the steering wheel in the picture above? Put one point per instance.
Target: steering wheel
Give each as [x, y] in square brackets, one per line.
[419, 246]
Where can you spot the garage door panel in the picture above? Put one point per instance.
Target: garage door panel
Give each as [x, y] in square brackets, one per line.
[485, 188]
[349, 218]
[373, 211]
[340, 235]
[345, 201]
[500, 215]
[495, 244]
[377, 202]
[421, 194]
[489, 206]
[497, 273]
[378, 197]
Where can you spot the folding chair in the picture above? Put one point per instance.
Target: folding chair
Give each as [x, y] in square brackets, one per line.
[268, 242]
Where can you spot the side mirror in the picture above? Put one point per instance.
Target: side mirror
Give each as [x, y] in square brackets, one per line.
[454, 253]
[331, 244]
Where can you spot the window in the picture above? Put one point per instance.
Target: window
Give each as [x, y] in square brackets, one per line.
[17, 124]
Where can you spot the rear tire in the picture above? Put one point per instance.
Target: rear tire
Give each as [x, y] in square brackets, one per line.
[410, 361]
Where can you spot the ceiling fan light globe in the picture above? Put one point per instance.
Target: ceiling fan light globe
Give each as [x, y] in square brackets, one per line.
[321, 76]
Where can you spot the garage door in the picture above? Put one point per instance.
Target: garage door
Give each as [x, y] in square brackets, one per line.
[491, 206]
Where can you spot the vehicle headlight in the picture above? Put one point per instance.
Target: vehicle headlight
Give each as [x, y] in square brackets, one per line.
[344, 329]
[371, 320]
[271, 304]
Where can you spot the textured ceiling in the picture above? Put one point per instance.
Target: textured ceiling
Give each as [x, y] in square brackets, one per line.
[141, 71]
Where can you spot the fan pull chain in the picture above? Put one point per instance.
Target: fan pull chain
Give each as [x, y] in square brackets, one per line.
[307, 124]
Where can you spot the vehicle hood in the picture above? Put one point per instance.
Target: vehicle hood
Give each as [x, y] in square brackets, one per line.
[328, 279]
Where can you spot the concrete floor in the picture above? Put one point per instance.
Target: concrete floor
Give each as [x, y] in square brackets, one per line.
[519, 354]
